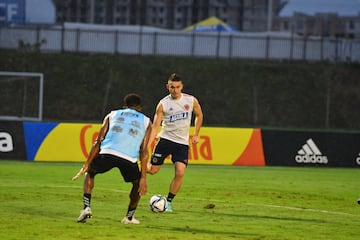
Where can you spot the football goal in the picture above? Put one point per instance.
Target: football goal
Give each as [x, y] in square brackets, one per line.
[21, 96]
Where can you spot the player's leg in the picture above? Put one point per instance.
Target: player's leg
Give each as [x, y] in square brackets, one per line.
[131, 173]
[89, 182]
[161, 151]
[176, 183]
[178, 177]
[134, 200]
[180, 159]
[99, 165]
[88, 186]
[152, 169]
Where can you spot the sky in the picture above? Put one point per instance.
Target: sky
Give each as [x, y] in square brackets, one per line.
[40, 11]
[342, 7]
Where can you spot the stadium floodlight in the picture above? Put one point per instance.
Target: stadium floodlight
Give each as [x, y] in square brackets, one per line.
[21, 96]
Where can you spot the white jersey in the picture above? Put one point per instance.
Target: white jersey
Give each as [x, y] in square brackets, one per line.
[177, 118]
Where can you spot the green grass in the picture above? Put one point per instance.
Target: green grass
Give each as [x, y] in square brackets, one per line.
[39, 201]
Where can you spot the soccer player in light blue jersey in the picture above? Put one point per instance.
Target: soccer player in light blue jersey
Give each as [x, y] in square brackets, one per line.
[122, 140]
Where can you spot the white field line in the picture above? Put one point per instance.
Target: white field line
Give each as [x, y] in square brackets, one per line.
[265, 205]
[288, 207]
[302, 209]
[216, 200]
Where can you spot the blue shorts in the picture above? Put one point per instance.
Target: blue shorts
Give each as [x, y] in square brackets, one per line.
[105, 162]
[179, 152]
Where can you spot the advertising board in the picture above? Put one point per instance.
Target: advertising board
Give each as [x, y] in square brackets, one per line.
[311, 148]
[72, 142]
[12, 144]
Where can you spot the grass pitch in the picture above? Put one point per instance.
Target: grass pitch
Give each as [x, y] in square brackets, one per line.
[39, 201]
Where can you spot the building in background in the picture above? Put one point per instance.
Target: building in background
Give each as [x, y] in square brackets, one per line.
[40, 12]
[258, 15]
[245, 15]
[326, 18]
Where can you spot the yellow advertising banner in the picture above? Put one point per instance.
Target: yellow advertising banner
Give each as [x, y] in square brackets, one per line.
[68, 142]
[220, 146]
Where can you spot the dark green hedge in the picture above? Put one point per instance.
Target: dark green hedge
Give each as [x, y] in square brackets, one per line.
[233, 93]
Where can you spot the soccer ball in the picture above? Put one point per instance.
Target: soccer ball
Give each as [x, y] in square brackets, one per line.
[158, 203]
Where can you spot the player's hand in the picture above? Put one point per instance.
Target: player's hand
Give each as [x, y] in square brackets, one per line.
[142, 187]
[195, 139]
[81, 172]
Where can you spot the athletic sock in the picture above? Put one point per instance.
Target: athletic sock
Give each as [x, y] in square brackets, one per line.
[170, 197]
[130, 213]
[87, 199]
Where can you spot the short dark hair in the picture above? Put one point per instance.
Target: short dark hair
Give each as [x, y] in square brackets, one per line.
[174, 77]
[132, 100]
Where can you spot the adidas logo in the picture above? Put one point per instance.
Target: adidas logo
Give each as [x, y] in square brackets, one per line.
[310, 153]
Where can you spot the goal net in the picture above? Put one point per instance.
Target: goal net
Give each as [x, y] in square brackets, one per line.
[21, 96]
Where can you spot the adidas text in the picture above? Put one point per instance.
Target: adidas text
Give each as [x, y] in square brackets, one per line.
[310, 153]
[311, 159]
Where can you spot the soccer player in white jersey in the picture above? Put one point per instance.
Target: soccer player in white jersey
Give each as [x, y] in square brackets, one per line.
[174, 113]
[123, 138]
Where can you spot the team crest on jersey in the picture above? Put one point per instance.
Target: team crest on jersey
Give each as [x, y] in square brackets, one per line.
[187, 107]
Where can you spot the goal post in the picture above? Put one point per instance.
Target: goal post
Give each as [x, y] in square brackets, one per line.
[21, 96]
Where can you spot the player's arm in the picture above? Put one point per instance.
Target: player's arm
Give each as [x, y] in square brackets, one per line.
[158, 116]
[144, 156]
[95, 148]
[198, 120]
